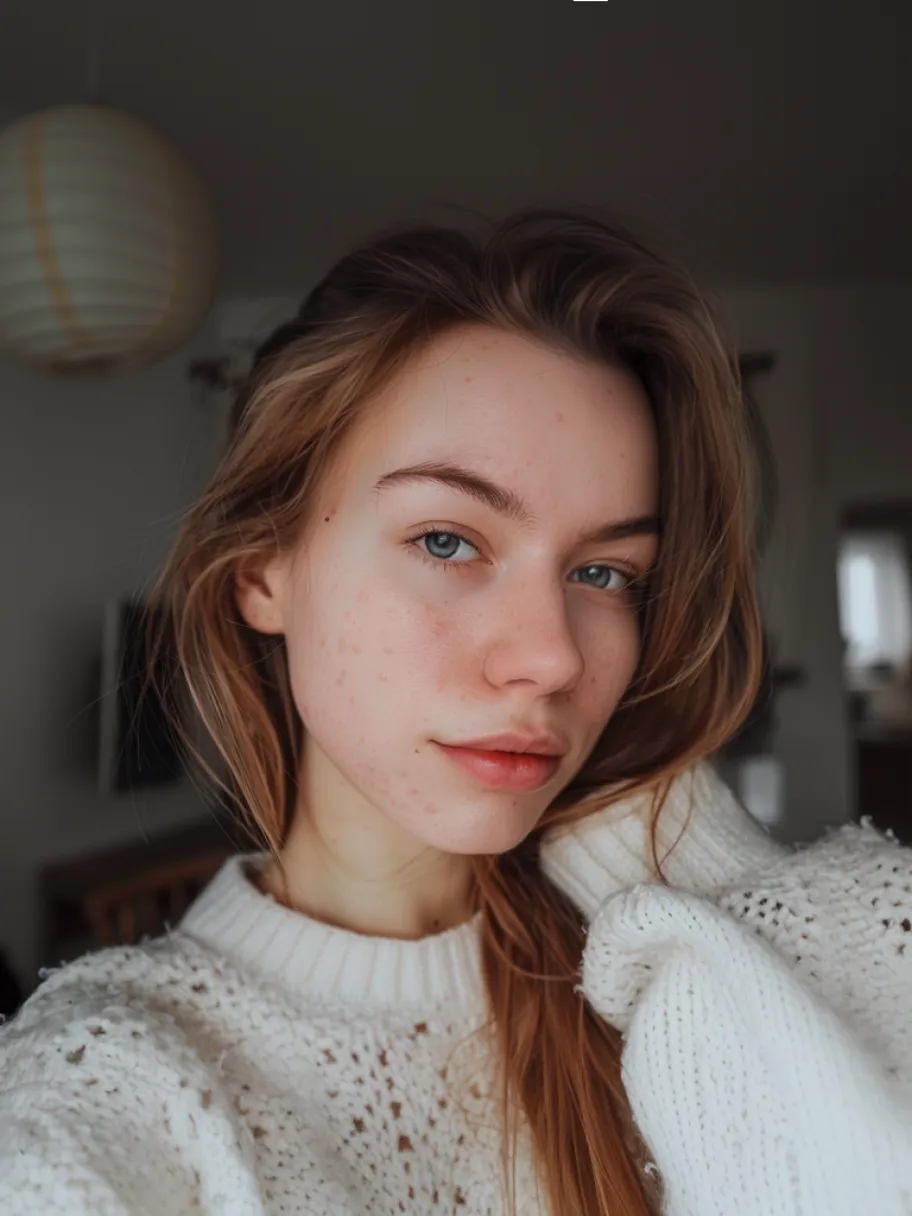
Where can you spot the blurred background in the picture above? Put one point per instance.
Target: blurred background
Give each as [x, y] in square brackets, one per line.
[144, 248]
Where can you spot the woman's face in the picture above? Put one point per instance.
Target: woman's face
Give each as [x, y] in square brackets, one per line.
[468, 574]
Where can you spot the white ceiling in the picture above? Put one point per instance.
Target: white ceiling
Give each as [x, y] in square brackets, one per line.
[763, 140]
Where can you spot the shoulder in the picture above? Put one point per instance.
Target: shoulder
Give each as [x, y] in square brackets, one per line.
[840, 912]
[126, 1005]
[111, 1096]
[854, 871]
[849, 891]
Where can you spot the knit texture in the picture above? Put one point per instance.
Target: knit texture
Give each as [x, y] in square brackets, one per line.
[256, 1062]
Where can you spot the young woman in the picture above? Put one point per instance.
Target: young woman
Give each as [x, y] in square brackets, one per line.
[465, 607]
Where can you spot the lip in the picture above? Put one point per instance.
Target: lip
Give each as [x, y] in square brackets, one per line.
[520, 772]
[540, 745]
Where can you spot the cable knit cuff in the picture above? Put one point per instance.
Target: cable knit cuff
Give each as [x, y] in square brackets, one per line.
[705, 840]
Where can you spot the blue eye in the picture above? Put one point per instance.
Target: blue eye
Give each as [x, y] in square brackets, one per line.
[443, 546]
[603, 575]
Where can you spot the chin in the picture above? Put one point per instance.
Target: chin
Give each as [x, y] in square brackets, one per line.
[473, 835]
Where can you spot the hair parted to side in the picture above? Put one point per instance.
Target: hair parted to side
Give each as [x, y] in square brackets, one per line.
[590, 288]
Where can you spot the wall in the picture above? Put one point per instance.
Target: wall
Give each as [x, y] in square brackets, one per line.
[839, 409]
[93, 478]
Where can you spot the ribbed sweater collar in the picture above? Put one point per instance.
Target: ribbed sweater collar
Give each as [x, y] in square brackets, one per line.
[329, 965]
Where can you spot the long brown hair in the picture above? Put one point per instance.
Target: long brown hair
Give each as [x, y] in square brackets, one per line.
[593, 289]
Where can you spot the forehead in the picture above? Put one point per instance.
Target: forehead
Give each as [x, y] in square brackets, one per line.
[553, 427]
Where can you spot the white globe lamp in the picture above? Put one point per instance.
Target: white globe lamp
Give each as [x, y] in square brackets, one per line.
[108, 247]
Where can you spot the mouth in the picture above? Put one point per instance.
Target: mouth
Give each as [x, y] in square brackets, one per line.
[514, 743]
[521, 772]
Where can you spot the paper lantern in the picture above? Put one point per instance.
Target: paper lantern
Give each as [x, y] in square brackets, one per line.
[108, 248]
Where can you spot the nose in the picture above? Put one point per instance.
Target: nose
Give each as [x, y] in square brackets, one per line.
[532, 641]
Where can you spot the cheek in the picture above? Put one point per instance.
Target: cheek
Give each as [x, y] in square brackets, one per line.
[356, 654]
[611, 661]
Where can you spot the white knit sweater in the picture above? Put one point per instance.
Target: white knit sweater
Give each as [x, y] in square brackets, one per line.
[255, 1062]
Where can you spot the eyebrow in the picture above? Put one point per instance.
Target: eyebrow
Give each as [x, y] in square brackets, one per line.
[505, 502]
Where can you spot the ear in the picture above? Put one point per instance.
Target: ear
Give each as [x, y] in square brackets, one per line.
[260, 585]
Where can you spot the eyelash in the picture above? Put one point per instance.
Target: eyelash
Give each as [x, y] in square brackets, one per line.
[633, 588]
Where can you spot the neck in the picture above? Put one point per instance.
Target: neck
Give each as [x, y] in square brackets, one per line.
[349, 867]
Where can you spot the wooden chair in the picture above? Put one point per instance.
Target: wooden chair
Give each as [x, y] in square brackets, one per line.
[123, 912]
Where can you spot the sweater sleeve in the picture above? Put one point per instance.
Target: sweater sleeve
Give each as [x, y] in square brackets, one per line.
[106, 1110]
[752, 1093]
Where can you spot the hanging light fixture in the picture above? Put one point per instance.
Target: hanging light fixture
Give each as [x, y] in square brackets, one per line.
[108, 246]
